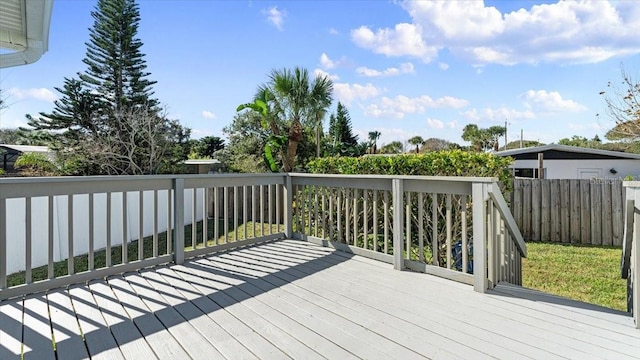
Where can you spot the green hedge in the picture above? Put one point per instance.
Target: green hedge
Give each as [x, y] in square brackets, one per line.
[437, 163]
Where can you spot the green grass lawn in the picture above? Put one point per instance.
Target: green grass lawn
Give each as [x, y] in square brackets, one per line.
[586, 273]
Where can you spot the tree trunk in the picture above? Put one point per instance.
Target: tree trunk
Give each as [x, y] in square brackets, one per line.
[295, 136]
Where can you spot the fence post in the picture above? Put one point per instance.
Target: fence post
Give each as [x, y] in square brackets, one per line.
[479, 195]
[288, 207]
[397, 193]
[178, 220]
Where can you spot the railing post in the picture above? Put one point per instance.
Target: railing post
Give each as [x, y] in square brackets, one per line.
[397, 192]
[288, 207]
[635, 257]
[178, 220]
[3, 243]
[479, 198]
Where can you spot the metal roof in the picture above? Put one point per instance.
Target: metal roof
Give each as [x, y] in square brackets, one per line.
[24, 31]
[26, 148]
[566, 148]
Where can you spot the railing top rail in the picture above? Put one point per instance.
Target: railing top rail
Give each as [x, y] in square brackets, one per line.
[408, 177]
[510, 222]
[68, 185]
[98, 178]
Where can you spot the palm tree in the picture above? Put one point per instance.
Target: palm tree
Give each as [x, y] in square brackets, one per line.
[373, 140]
[320, 102]
[417, 141]
[297, 99]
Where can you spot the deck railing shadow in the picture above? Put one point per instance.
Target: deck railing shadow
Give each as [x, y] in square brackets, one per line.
[225, 288]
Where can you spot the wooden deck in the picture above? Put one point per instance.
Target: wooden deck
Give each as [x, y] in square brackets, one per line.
[290, 299]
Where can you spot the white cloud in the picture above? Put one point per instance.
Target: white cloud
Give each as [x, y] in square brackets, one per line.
[332, 77]
[443, 66]
[404, 40]
[208, 115]
[401, 105]
[541, 100]
[499, 114]
[405, 68]
[346, 92]
[333, 31]
[562, 32]
[435, 123]
[275, 16]
[327, 63]
[42, 94]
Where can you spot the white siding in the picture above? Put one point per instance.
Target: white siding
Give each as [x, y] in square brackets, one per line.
[570, 169]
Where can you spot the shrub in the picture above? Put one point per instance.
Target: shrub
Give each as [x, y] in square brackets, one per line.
[35, 164]
[437, 163]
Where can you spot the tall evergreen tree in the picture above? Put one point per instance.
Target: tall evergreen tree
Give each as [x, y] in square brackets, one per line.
[115, 63]
[342, 131]
[106, 121]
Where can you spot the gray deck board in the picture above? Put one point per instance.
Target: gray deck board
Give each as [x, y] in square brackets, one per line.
[171, 312]
[36, 331]
[159, 338]
[97, 335]
[66, 331]
[130, 341]
[11, 329]
[291, 299]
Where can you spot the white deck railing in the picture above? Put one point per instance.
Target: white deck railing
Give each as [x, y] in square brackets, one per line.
[90, 222]
[630, 265]
[432, 220]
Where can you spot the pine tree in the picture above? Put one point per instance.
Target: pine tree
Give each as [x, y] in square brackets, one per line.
[116, 66]
[106, 121]
[340, 129]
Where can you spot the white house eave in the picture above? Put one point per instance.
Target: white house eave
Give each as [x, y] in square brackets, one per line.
[574, 149]
[24, 28]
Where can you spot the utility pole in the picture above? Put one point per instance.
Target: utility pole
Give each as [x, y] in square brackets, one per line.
[505, 134]
[521, 139]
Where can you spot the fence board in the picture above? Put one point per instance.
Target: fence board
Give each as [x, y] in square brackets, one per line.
[575, 211]
[554, 209]
[595, 190]
[536, 219]
[565, 212]
[585, 212]
[545, 210]
[526, 209]
[569, 210]
[617, 227]
[607, 237]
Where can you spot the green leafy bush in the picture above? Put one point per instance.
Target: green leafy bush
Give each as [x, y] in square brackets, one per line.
[36, 164]
[437, 163]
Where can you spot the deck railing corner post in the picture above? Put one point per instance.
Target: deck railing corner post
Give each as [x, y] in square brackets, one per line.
[178, 220]
[479, 193]
[397, 194]
[288, 207]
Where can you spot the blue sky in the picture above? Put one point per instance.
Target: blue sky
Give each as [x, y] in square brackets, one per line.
[402, 68]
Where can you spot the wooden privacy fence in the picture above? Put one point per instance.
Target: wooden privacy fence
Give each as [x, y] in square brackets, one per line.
[569, 211]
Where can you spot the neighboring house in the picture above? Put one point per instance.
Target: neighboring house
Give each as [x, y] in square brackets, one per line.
[571, 162]
[24, 31]
[9, 154]
[203, 166]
